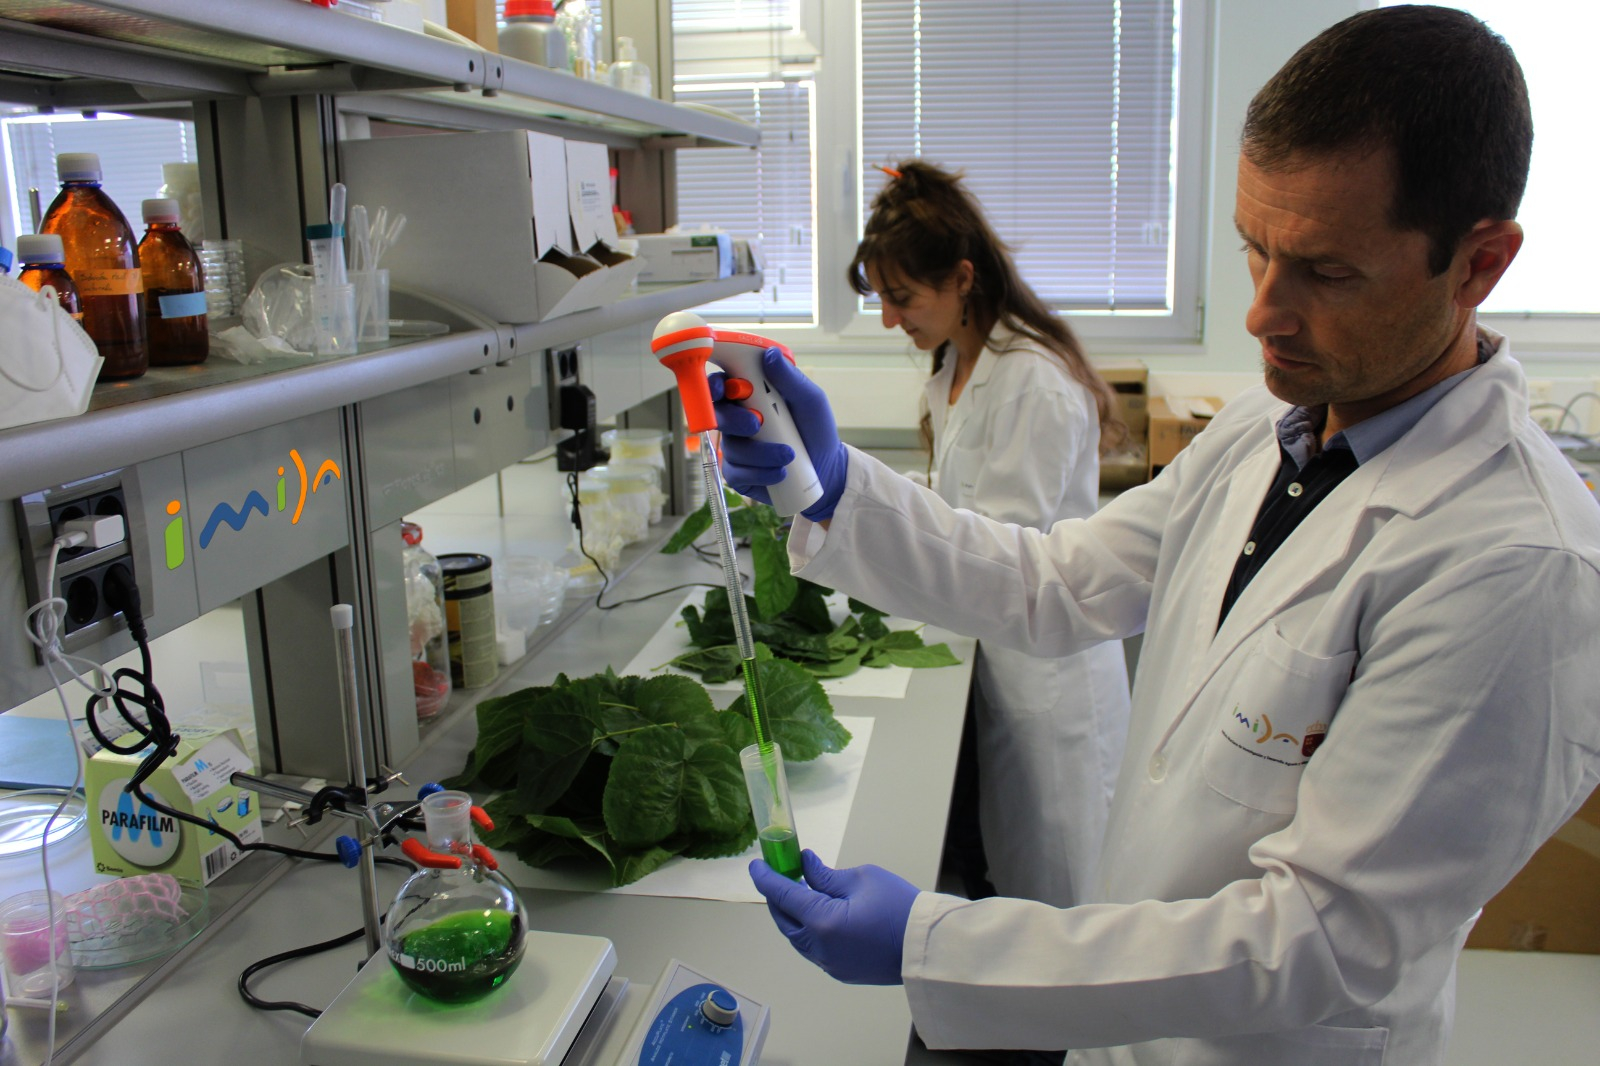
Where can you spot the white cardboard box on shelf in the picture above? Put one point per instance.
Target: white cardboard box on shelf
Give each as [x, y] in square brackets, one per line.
[489, 219]
[691, 255]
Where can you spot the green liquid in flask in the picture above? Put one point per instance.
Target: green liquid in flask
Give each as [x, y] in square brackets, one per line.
[782, 851]
[462, 956]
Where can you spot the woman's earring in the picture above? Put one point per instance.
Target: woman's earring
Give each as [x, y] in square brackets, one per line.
[963, 310]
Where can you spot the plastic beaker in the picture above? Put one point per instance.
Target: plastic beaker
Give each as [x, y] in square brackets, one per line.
[372, 305]
[768, 786]
[28, 939]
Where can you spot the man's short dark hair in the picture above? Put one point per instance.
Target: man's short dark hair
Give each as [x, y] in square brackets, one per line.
[1434, 85]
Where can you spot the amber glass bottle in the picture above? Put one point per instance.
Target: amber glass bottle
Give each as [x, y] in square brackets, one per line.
[103, 260]
[174, 290]
[43, 264]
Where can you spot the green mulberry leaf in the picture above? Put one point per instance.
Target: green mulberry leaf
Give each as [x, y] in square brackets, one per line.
[694, 525]
[556, 738]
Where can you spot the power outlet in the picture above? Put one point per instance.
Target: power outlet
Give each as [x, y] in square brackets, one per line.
[100, 504]
[80, 576]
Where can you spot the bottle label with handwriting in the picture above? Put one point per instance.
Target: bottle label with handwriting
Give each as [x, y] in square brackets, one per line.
[108, 281]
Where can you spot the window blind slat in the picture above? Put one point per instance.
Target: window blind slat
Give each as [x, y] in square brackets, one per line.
[1059, 113]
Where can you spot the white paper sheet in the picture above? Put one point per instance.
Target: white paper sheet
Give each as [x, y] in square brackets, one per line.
[821, 790]
[672, 640]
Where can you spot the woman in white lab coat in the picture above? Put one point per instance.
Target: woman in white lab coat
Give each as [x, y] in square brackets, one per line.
[1014, 419]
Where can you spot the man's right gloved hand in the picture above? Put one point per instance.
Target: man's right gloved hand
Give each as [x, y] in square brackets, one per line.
[749, 466]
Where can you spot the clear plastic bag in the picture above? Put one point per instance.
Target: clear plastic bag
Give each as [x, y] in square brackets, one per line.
[279, 306]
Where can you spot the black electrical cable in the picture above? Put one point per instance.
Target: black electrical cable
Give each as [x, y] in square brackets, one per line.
[605, 580]
[272, 960]
[300, 953]
[137, 688]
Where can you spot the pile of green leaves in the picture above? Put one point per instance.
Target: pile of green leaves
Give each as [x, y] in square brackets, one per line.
[632, 771]
[788, 614]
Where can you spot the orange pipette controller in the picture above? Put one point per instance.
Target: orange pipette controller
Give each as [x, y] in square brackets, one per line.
[684, 343]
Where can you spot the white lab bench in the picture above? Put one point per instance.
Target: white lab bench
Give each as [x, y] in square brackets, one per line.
[195, 1014]
[1532, 1008]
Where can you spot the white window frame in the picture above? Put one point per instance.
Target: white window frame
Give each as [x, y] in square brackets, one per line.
[1554, 336]
[844, 323]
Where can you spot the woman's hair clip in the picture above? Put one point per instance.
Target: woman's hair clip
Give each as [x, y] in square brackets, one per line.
[891, 171]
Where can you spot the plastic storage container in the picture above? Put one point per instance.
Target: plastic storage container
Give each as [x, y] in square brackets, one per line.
[531, 34]
[44, 263]
[181, 182]
[174, 290]
[601, 537]
[425, 610]
[102, 256]
[576, 22]
[469, 619]
[636, 488]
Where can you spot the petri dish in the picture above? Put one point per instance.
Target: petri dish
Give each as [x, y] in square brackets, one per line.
[135, 938]
[24, 813]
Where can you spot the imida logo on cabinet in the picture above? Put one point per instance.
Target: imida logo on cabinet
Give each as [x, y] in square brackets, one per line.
[254, 503]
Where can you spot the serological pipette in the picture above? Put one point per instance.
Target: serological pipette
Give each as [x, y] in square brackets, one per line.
[684, 343]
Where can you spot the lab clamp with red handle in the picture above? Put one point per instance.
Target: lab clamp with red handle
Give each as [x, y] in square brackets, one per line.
[684, 344]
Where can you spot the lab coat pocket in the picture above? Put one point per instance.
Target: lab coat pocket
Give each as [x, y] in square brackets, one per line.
[1270, 721]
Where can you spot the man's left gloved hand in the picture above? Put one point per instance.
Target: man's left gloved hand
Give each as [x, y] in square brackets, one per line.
[852, 923]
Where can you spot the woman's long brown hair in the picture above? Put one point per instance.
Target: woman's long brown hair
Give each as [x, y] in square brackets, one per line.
[924, 222]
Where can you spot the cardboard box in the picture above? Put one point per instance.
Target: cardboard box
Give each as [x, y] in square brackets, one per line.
[1173, 424]
[473, 19]
[1130, 380]
[697, 255]
[129, 838]
[1129, 465]
[1554, 903]
[514, 224]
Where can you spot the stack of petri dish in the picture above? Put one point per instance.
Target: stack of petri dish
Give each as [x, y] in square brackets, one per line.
[223, 263]
[530, 591]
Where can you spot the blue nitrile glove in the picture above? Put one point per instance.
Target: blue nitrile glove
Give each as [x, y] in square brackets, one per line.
[852, 923]
[748, 466]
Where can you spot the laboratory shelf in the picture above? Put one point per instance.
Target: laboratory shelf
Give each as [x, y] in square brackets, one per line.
[172, 409]
[274, 47]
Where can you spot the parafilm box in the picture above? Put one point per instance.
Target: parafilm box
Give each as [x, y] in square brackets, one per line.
[129, 837]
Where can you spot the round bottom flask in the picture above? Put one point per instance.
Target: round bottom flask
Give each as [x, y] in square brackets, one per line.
[455, 934]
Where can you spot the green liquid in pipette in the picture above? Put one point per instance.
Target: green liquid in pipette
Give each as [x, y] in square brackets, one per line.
[782, 851]
[752, 696]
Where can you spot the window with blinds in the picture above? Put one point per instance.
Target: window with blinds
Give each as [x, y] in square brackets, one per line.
[1061, 114]
[762, 195]
[131, 151]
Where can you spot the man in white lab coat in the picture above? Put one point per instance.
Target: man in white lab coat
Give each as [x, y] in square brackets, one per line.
[1370, 593]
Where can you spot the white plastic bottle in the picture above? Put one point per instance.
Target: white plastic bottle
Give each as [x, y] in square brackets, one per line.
[576, 21]
[531, 35]
[181, 182]
[627, 72]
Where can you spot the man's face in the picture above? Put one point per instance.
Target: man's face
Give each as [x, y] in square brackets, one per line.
[1344, 306]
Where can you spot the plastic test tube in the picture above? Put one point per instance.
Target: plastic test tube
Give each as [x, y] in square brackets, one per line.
[769, 802]
[333, 298]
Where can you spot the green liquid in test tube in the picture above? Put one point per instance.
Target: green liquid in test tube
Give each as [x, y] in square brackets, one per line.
[781, 849]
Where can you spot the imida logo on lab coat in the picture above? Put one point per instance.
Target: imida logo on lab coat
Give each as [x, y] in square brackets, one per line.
[1263, 741]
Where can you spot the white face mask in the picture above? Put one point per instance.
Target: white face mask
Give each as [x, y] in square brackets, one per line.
[48, 364]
